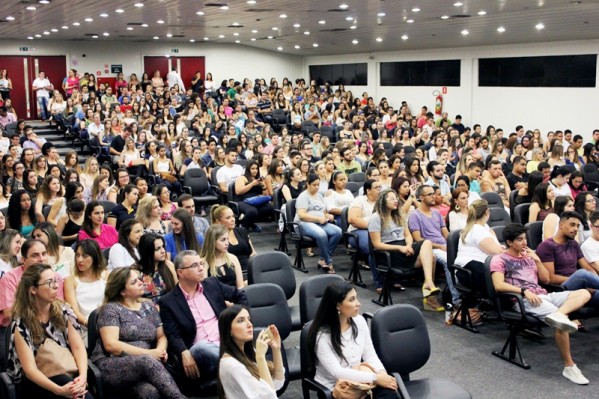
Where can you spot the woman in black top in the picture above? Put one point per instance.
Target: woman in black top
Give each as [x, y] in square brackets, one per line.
[249, 185]
[219, 261]
[69, 225]
[240, 244]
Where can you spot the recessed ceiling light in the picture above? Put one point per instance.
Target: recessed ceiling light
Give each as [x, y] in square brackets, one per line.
[269, 37]
[297, 47]
[465, 32]
[343, 6]
[314, 44]
[155, 38]
[355, 41]
[139, 5]
[251, 1]
[221, 36]
[144, 25]
[296, 25]
[404, 37]
[379, 39]
[10, 18]
[280, 48]
[206, 39]
[65, 27]
[415, 9]
[307, 32]
[167, 55]
[192, 40]
[501, 29]
[160, 21]
[44, 1]
[283, 16]
[95, 36]
[129, 28]
[349, 18]
[105, 34]
[458, 4]
[237, 41]
[381, 14]
[169, 35]
[30, 37]
[236, 34]
[444, 16]
[322, 22]
[353, 27]
[540, 26]
[275, 28]
[89, 20]
[253, 39]
[31, 8]
[235, 24]
[410, 21]
[46, 33]
[119, 10]
[224, 8]
[38, 35]
[200, 13]
[76, 24]
[104, 15]
[482, 12]
[54, 30]
[254, 31]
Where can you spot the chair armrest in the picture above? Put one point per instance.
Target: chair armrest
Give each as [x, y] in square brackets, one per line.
[387, 257]
[321, 390]
[464, 282]
[187, 190]
[94, 378]
[295, 230]
[401, 387]
[553, 287]
[235, 207]
[368, 315]
[346, 236]
[512, 298]
[8, 387]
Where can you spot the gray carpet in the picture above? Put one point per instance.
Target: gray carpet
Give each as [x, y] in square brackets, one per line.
[464, 357]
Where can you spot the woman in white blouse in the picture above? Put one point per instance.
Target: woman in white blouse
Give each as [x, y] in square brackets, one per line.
[243, 371]
[458, 214]
[340, 345]
[125, 252]
[337, 196]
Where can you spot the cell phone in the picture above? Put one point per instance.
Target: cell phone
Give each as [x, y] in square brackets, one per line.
[268, 333]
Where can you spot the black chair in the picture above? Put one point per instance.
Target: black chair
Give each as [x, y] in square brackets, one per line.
[277, 203]
[106, 253]
[499, 217]
[46, 211]
[276, 268]
[493, 199]
[513, 195]
[232, 203]
[400, 338]
[354, 187]
[517, 322]
[357, 177]
[268, 305]
[195, 183]
[308, 127]
[10, 129]
[591, 176]
[308, 370]
[534, 234]
[311, 292]
[328, 131]
[279, 119]
[108, 206]
[521, 213]
[4, 211]
[296, 234]
[499, 233]
[354, 275]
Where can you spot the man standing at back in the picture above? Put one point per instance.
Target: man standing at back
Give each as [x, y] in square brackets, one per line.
[42, 88]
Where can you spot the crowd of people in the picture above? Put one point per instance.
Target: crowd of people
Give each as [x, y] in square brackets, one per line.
[120, 236]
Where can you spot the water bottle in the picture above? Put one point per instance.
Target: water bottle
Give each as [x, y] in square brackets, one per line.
[448, 312]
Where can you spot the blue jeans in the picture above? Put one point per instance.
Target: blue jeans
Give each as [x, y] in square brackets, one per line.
[441, 257]
[206, 355]
[42, 105]
[584, 279]
[327, 237]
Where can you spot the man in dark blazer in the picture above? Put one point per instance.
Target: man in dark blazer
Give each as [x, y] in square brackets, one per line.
[190, 316]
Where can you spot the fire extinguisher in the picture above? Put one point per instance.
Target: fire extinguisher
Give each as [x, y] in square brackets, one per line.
[438, 102]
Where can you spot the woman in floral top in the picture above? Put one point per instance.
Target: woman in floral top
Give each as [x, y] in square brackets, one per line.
[157, 272]
[37, 316]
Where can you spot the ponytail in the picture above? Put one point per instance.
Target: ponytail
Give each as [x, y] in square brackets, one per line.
[476, 211]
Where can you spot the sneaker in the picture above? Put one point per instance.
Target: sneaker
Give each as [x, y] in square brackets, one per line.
[561, 322]
[574, 374]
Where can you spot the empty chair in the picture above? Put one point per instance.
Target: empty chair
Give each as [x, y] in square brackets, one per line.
[534, 234]
[276, 268]
[521, 213]
[354, 187]
[499, 233]
[195, 183]
[400, 338]
[358, 177]
[279, 119]
[499, 217]
[311, 292]
[328, 131]
[493, 199]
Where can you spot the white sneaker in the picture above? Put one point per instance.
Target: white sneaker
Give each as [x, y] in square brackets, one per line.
[561, 322]
[574, 374]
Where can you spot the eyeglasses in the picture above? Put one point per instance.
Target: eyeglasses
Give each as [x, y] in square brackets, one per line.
[49, 283]
[192, 266]
[591, 200]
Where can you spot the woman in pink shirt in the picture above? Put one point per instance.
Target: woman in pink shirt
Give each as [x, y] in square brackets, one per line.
[94, 228]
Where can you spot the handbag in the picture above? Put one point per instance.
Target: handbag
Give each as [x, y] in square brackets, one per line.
[53, 359]
[258, 200]
[346, 389]
[168, 177]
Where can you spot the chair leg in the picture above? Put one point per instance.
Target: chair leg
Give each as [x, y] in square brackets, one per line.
[464, 311]
[385, 295]
[514, 349]
[299, 260]
[283, 244]
[354, 275]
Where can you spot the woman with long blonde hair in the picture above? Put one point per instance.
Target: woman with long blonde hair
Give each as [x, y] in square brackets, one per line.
[90, 172]
[221, 264]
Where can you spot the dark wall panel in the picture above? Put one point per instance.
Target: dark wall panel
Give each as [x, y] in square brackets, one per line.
[347, 74]
[421, 73]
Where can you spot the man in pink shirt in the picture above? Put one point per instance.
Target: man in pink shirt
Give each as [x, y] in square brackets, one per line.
[189, 315]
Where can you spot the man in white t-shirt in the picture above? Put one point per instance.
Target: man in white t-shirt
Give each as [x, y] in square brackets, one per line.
[359, 214]
[590, 247]
[230, 171]
[41, 86]
[95, 128]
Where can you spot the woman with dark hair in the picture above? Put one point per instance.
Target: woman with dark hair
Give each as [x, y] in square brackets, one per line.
[163, 194]
[125, 253]
[542, 203]
[317, 223]
[275, 178]
[21, 215]
[84, 288]
[62, 258]
[244, 371]
[413, 171]
[132, 348]
[562, 203]
[560, 178]
[94, 227]
[576, 183]
[588, 154]
[340, 346]
[16, 182]
[337, 196]
[10, 249]
[49, 193]
[59, 208]
[37, 315]
[406, 193]
[126, 209]
[525, 193]
[165, 170]
[69, 225]
[30, 182]
[458, 211]
[251, 185]
[585, 204]
[183, 236]
[157, 272]
[240, 244]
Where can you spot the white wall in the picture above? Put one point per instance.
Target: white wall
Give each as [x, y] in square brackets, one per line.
[224, 61]
[543, 108]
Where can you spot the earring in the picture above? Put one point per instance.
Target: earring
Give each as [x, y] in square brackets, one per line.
[338, 313]
[457, 208]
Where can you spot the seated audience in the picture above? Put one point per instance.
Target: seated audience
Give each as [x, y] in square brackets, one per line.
[124, 253]
[240, 244]
[60, 257]
[163, 194]
[542, 203]
[250, 185]
[219, 262]
[149, 215]
[94, 227]
[10, 247]
[358, 216]
[200, 224]
[590, 248]
[183, 235]
[157, 273]
[585, 204]
[458, 213]
[561, 204]
[126, 209]
[337, 196]
[21, 215]
[69, 224]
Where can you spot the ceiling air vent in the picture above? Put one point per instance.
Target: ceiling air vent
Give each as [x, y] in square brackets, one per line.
[260, 10]
[461, 16]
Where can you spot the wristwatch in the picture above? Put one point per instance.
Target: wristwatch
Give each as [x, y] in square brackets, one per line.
[522, 291]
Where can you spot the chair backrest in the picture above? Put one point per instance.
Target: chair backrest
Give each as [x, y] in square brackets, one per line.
[6, 343]
[534, 234]
[268, 305]
[589, 168]
[354, 187]
[311, 292]
[92, 331]
[106, 253]
[4, 211]
[10, 129]
[290, 213]
[344, 218]
[521, 213]
[493, 199]
[453, 240]
[241, 162]
[499, 233]
[108, 206]
[499, 217]
[196, 179]
[277, 198]
[491, 293]
[279, 116]
[46, 211]
[400, 338]
[358, 177]
[307, 364]
[231, 191]
[272, 267]
[513, 195]
[213, 173]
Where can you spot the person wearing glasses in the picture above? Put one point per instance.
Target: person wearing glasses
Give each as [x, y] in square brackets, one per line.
[190, 316]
